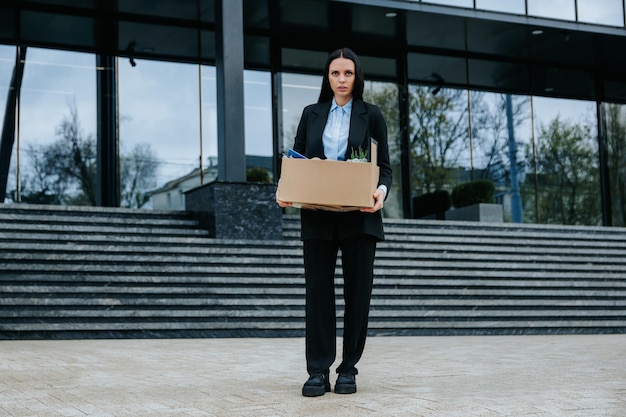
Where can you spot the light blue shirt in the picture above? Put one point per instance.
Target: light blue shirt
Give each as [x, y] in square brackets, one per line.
[337, 130]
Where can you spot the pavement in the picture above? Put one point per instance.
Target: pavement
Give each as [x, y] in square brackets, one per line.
[556, 375]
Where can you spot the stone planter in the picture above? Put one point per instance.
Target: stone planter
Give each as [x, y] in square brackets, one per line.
[230, 210]
[477, 213]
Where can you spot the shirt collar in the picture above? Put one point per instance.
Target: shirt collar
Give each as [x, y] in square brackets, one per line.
[347, 107]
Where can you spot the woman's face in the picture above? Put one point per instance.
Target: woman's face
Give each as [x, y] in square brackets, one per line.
[341, 77]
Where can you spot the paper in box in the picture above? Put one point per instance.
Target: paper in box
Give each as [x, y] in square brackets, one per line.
[329, 185]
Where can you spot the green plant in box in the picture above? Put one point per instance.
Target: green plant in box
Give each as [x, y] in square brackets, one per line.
[473, 192]
[258, 174]
[358, 155]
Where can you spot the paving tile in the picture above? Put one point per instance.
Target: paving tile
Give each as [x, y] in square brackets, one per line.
[538, 376]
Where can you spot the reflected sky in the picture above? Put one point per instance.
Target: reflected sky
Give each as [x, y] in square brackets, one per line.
[508, 6]
[160, 104]
[604, 12]
[456, 3]
[53, 83]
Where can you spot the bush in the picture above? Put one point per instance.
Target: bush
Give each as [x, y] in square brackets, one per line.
[428, 204]
[258, 174]
[473, 192]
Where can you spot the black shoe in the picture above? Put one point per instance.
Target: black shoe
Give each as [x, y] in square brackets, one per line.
[316, 385]
[346, 384]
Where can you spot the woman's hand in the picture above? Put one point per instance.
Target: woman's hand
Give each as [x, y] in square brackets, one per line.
[379, 198]
[281, 203]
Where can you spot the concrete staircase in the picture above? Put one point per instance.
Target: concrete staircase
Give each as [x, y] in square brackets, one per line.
[76, 272]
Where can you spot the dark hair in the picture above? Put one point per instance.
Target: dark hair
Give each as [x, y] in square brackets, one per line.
[359, 82]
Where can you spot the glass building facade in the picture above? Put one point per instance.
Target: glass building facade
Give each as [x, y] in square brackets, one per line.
[529, 94]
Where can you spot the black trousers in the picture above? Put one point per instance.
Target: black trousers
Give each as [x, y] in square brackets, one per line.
[320, 260]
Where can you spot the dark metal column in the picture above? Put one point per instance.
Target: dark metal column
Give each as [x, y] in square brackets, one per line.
[277, 95]
[229, 71]
[108, 183]
[7, 140]
[404, 124]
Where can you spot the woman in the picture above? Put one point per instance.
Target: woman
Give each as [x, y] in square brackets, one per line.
[338, 124]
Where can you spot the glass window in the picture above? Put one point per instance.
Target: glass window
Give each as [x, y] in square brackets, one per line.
[61, 29]
[439, 147]
[159, 131]
[500, 134]
[304, 14]
[456, 3]
[181, 9]
[298, 91]
[556, 9]
[615, 115]
[301, 60]
[385, 96]
[604, 12]
[258, 120]
[509, 6]
[373, 22]
[146, 39]
[209, 124]
[7, 63]
[564, 172]
[436, 69]
[91, 4]
[7, 24]
[57, 130]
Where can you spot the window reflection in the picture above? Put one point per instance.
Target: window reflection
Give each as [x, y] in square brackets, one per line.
[501, 133]
[385, 96]
[438, 146]
[509, 6]
[615, 143]
[556, 9]
[7, 63]
[298, 91]
[456, 3]
[258, 120]
[159, 131]
[604, 12]
[565, 168]
[57, 130]
[209, 124]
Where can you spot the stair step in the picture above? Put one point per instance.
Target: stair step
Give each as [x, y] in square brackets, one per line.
[105, 272]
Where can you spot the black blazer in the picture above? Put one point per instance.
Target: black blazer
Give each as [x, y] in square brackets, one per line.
[366, 121]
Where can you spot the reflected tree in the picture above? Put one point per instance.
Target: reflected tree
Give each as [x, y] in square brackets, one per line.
[494, 130]
[385, 96]
[567, 175]
[64, 171]
[616, 148]
[138, 172]
[438, 136]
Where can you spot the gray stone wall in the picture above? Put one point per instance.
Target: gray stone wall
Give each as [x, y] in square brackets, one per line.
[231, 210]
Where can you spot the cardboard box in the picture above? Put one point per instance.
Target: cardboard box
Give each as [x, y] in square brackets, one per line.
[329, 185]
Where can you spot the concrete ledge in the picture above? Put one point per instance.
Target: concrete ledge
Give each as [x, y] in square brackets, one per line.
[477, 213]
